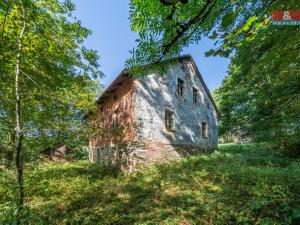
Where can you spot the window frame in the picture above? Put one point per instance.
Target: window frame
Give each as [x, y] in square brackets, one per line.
[204, 130]
[180, 87]
[195, 95]
[169, 120]
[116, 121]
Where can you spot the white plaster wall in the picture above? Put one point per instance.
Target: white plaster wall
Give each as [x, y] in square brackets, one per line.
[154, 94]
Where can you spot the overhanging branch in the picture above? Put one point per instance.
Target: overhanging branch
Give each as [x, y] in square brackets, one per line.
[173, 2]
[184, 27]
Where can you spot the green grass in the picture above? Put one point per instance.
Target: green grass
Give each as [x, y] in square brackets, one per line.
[234, 185]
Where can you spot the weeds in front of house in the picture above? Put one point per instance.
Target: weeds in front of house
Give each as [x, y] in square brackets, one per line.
[245, 184]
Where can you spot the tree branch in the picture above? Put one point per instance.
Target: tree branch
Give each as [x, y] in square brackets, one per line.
[199, 18]
[183, 28]
[168, 2]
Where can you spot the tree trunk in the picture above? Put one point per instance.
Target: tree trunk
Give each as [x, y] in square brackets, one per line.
[19, 130]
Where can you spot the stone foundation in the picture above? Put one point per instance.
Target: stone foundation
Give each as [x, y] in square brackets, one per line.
[129, 155]
[160, 151]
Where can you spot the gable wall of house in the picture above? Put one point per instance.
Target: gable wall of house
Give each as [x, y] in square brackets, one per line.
[155, 95]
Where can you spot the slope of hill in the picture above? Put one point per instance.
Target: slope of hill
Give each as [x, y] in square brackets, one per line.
[235, 185]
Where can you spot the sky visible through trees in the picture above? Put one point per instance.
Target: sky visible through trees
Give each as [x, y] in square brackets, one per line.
[112, 37]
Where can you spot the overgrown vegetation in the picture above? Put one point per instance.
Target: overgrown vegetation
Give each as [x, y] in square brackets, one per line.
[48, 80]
[246, 184]
[260, 97]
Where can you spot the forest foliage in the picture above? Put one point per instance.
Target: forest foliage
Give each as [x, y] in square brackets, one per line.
[57, 75]
[48, 82]
[260, 97]
[165, 27]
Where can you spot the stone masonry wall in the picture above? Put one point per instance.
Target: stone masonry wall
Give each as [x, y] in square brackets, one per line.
[161, 151]
[155, 94]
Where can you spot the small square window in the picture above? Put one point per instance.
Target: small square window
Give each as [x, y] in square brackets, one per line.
[169, 119]
[180, 87]
[195, 95]
[204, 130]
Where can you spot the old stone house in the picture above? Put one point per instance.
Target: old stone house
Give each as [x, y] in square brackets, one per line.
[154, 118]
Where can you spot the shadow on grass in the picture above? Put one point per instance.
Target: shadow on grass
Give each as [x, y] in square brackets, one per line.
[76, 169]
[236, 185]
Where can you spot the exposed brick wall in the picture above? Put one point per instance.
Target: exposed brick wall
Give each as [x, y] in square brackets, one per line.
[120, 102]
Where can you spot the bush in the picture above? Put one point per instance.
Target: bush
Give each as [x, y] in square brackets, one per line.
[292, 148]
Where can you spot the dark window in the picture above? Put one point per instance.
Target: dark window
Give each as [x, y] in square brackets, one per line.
[195, 95]
[116, 121]
[180, 87]
[204, 130]
[169, 119]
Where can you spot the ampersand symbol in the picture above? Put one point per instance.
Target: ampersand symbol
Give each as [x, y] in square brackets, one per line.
[286, 15]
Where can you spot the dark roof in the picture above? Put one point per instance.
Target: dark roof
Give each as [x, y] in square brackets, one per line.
[124, 75]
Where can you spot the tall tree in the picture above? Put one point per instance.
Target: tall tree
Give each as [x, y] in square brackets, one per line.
[47, 73]
[261, 94]
[19, 128]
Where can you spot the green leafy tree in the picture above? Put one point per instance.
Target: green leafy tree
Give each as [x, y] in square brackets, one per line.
[47, 78]
[165, 27]
[261, 93]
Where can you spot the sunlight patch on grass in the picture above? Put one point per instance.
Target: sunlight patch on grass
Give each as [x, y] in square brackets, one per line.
[234, 185]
